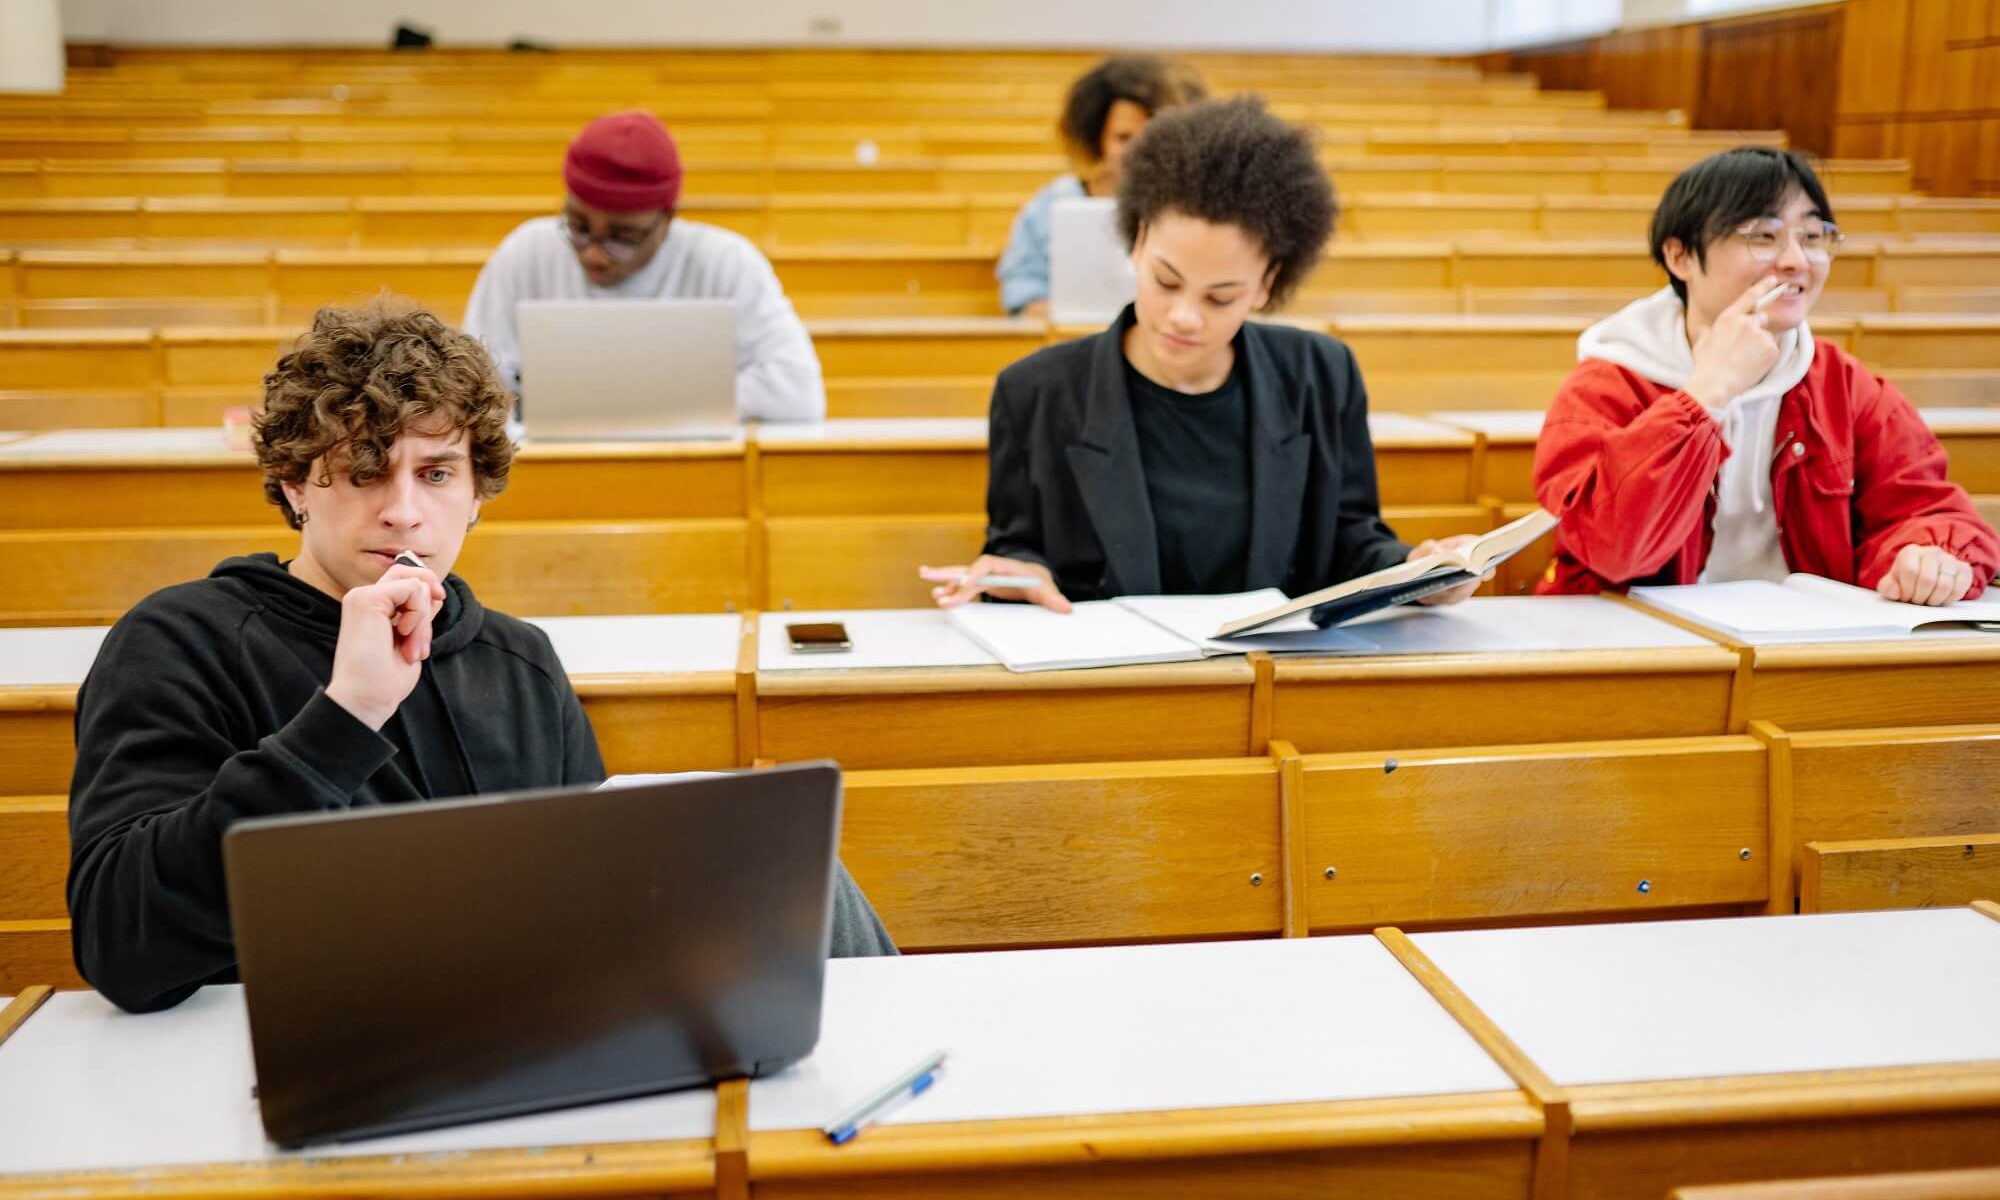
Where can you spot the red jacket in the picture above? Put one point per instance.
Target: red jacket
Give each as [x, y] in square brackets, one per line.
[1630, 466]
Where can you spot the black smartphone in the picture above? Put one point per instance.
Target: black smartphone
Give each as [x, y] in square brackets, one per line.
[827, 637]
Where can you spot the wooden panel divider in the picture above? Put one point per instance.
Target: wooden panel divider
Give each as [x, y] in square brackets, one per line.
[1551, 1171]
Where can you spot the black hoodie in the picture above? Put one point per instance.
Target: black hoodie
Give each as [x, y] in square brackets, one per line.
[206, 705]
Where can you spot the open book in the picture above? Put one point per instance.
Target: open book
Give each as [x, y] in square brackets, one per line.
[1135, 629]
[1807, 608]
[1403, 582]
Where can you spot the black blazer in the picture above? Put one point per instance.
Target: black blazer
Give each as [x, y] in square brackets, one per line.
[1066, 488]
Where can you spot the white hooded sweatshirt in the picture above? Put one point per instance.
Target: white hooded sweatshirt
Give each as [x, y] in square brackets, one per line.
[1649, 337]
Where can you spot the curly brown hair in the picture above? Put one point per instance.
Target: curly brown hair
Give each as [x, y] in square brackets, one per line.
[1230, 162]
[359, 379]
[1148, 81]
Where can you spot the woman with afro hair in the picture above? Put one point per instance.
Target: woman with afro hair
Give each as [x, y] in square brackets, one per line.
[1187, 449]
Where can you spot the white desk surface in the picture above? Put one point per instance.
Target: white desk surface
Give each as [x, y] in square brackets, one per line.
[1516, 624]
[651, 644]
[942, 430]
[198, 443]
[97, 1089]
[1962, 420]
[1498, 426]
[1393, 427]
[32, 656]
[1745, 996]
[892, 637]
[1039, 1033]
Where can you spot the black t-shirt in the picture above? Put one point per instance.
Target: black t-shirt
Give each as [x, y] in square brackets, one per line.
[1195, 451]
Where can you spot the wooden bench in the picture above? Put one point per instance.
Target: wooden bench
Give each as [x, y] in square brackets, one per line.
[1927, 872]
[1432, 836]
[1974, 1184]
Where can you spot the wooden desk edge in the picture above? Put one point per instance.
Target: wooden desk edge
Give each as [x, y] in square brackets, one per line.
[1182, 1133]
[720, 682]
[1867, 1091]
[1469, 664]
[39, 697]
[608, 1169]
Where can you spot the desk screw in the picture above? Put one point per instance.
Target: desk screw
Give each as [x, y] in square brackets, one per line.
[1331, 872]
[1256, 879]
[1646, 887]
[1744, 854]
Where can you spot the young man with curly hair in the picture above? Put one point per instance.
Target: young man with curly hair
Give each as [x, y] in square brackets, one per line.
[337, 679]
[1107, 108]
[1187, 449]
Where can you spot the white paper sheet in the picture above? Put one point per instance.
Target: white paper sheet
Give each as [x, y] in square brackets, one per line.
[1803, 609]
[1096, 633]
[1196, 618]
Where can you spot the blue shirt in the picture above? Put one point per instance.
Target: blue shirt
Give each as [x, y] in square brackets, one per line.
[1023, 269]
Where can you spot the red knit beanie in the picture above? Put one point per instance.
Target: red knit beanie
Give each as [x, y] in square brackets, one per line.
[624, 162]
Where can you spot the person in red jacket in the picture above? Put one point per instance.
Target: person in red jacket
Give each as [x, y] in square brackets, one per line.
[1705, 435]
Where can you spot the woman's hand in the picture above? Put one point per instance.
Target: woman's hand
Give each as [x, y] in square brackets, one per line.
[1456, 542]
[957, 585]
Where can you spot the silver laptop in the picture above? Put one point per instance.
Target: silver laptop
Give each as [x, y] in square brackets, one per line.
[616, 370]
[417, 965]
[1090, 268]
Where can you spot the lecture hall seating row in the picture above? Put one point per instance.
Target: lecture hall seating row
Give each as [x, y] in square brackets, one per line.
[1483, 1065]
[779, 220]
[801, 517]
[1290, 843]
[1470, 173]
[882, 367]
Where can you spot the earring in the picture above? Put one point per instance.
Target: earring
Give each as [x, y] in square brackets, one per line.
[303, 517]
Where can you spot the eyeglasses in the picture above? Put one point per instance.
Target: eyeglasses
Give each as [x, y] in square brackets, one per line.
[1818, 240]
[619, 245]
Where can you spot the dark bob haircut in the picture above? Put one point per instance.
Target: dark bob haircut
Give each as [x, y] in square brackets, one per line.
[1230, 162]
[1152, 83]
[1711, 198]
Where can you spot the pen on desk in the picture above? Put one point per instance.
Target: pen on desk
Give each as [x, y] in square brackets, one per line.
[1009, 581]
[906, 1087]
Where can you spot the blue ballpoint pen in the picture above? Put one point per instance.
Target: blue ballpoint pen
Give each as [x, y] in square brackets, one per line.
[907, 1086]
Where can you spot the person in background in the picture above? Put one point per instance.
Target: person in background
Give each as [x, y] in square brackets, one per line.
[618, 238]
[1706, 436]
[338, 679]
[1106, 109]
[1188, 449]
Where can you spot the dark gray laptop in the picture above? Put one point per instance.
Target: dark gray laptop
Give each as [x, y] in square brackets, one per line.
[428, 964]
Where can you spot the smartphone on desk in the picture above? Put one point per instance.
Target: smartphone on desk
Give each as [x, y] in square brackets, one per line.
[825, 637]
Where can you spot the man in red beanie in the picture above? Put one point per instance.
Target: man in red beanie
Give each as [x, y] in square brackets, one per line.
[618, 239]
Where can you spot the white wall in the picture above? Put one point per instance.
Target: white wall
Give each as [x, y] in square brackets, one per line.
[31, 46]
[1643, 13]
[1384, 26]
[1356, 26]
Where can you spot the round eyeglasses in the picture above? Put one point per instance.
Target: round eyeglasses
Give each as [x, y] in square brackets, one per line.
[620, 245]
[1819, 241]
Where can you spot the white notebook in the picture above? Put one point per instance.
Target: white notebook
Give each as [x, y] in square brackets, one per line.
[1807, 608]
[1136, 629]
